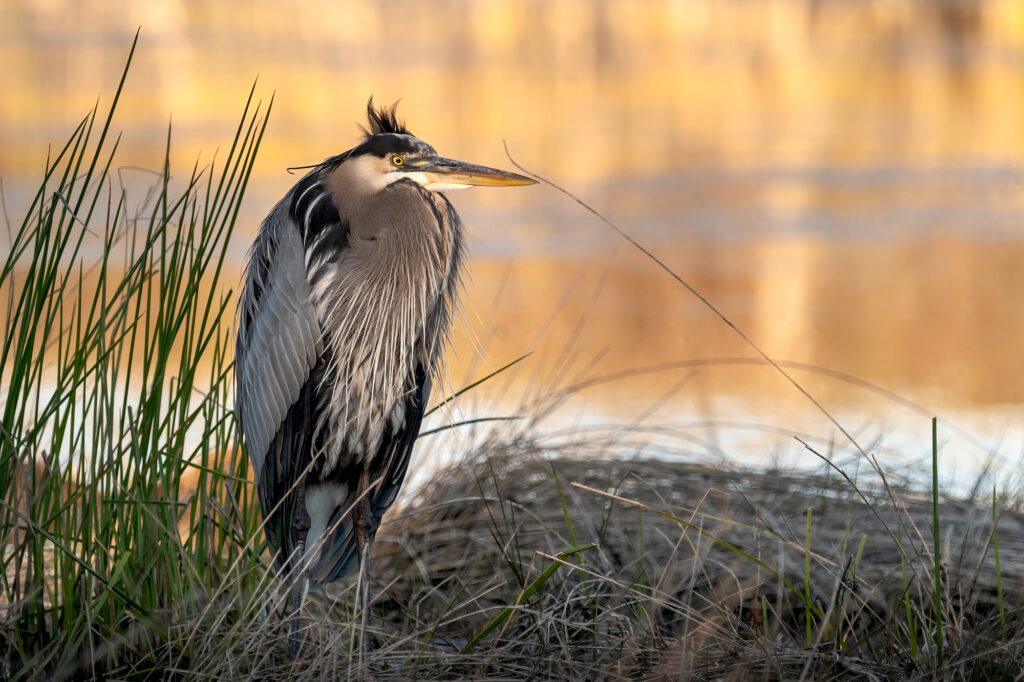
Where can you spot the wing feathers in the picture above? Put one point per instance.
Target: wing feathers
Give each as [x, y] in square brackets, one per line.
[279, 345]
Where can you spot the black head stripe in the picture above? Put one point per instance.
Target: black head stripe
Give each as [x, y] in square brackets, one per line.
[389, 143]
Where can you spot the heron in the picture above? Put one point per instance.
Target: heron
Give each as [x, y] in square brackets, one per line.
[346, 309]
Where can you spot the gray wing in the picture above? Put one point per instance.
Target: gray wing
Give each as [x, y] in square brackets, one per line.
[280, 352]
[279, 335]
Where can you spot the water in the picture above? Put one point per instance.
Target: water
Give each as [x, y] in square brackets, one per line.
[843, 181]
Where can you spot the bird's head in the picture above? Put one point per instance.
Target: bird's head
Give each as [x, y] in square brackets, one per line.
[390, 153]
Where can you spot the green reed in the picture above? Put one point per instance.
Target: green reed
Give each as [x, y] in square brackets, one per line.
[116, 357]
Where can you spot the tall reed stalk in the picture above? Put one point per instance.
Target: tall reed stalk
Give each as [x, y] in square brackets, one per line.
[123, 496]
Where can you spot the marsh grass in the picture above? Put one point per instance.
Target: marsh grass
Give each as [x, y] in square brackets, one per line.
[116, 375]
[131, 539]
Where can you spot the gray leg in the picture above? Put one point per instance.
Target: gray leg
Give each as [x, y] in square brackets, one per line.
[362, 529]
[301, 526]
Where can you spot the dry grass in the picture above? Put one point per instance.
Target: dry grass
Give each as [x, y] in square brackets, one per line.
[724, 595]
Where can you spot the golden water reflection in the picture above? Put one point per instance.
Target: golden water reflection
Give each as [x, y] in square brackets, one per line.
[844, 181]
[937, 317]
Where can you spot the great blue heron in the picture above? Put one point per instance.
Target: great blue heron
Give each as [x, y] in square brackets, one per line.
[344, 313]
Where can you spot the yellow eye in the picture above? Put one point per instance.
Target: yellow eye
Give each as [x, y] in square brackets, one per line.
[398, 160]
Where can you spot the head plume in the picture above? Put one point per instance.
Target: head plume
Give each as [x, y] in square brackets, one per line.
[383, 120]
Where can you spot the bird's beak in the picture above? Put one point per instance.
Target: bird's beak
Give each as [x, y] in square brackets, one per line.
[451, 174]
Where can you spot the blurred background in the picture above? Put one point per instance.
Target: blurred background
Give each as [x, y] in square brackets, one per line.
[843, 179]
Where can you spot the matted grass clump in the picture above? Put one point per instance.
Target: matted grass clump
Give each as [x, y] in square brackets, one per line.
[573, 563]
[131, 545]
[670, 570]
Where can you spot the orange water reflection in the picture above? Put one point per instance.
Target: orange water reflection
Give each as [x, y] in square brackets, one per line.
[845, 181]
[932, 320]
